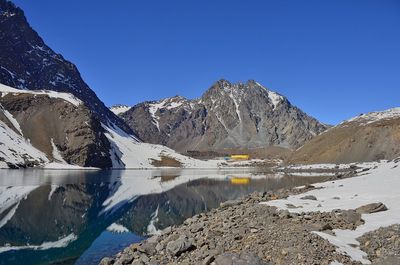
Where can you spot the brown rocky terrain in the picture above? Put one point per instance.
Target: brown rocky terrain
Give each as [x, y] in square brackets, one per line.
[369, 137]
[48, 122]
[382, 245]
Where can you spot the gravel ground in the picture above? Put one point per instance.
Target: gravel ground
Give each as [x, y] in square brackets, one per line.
[382, 245]
[244, 232]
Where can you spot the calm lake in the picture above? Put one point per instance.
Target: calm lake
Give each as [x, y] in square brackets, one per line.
[80, 216]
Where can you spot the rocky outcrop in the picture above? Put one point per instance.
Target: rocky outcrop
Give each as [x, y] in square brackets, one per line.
[227, 116]
[368, 137]
[26, 62]
[62, 131]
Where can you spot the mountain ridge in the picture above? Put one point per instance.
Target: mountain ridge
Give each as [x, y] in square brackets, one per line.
[227, 115]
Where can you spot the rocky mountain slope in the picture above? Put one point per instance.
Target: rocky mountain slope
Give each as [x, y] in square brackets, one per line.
[368, 137]
[26, 62]
[60, 128]
[241, 116]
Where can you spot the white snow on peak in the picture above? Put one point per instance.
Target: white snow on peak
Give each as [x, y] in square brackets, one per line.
[371, 117]
[380, 184]
[274, 97]
[119, 109]
[153, 108]
[52, 94]
[167, 103]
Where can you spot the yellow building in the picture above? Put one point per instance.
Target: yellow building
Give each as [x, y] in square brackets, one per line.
[240, 181]
[240, 157]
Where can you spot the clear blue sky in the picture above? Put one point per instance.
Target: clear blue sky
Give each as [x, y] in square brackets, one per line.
[333, 59]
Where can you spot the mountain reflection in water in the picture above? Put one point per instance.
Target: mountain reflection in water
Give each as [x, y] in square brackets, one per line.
[79, 216]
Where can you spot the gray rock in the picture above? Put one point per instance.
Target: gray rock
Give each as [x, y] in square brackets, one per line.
[284, 214]
[137, 262]
[148, 248]
[238, 259]
[106, 261]
[208, 260]
[309, 197]
[182, 244]
[351, 216]
[372, 208]
[230, 203]
[124, 259]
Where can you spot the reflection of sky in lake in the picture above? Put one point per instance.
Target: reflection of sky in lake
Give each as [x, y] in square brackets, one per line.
[101, 246]
[47, 207]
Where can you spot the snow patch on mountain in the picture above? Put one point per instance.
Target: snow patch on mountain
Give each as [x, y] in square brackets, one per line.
[120, 109]
[274, 97]
[16, 150]
[371, 117]
[4, 90]
[13, 121]
[56, 153]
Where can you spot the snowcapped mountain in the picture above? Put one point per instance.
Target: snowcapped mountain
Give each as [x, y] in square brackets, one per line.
[243, 115]
[367, 137]
[26, 62]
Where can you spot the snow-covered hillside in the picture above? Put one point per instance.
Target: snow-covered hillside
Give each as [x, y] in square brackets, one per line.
[380, 184]
[128, 152]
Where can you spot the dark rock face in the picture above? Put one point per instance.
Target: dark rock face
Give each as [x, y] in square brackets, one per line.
[26, 62]
[226, 116]
[48, 122]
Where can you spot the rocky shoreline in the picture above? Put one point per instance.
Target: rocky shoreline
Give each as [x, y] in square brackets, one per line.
[246, 232]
